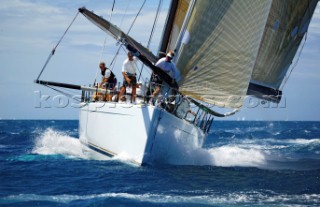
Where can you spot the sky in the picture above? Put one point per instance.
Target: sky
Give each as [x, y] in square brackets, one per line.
[29, 29]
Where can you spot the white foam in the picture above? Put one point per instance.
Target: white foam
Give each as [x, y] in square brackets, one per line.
[3, 146]
[53, 142]
[122, 156]
[255, 152]
[178, 151]
[274, 143]
[189, 152]
[302, 141]
[250, 197]
[227, 156]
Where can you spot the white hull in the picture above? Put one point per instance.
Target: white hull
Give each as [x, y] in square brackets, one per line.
[141, 133]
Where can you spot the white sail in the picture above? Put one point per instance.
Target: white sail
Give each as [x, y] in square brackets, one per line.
[287, 23]
[219, 49]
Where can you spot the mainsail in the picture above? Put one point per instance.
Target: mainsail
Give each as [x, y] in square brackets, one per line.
[287, 23]
[219, 48]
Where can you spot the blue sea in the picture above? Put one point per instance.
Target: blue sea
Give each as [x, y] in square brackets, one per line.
[243, 163]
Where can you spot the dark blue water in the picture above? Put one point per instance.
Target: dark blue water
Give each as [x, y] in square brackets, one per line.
[243, 164]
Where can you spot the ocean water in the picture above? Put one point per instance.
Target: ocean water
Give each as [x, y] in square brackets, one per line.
[242, 164]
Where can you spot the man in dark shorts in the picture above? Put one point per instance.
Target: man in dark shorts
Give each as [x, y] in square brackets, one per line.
[129, 68]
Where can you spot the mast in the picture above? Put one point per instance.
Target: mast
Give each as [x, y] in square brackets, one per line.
[178, 45]
[168, 28]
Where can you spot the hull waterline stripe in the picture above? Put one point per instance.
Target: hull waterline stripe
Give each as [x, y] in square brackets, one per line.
[107, 152]
[101, 150]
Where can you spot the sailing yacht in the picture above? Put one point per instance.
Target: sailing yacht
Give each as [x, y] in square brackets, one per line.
[226, 50]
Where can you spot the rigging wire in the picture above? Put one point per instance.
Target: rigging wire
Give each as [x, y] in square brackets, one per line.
[105, 39]
[152, 31]
[136, 16]
[295, 64]
[117, 53]
[104, 44]
[72, 96]
[309, 13]
[54, 49]
[125, 12]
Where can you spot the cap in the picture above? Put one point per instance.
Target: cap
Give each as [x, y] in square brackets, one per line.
[170, 54]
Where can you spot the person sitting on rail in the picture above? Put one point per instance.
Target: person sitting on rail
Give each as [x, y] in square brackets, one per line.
[109, 81]
[129, 68]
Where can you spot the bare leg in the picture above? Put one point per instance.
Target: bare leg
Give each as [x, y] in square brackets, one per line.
[134, 89]
[156, 92]
[122, 90]
[154, 95]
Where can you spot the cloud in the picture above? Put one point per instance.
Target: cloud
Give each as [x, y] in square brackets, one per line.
[21, 8]
[40, 24]
[29, 24]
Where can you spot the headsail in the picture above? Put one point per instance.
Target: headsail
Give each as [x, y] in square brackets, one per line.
[219, 49]
[287, 23]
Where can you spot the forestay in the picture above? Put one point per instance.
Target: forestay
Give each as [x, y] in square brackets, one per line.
[219, 49]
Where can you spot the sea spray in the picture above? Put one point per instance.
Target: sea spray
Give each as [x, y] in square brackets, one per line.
[52, 142]
[263, 153]
[227, 156]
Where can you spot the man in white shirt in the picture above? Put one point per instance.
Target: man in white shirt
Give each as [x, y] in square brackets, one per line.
[129, 68]
[168, 66]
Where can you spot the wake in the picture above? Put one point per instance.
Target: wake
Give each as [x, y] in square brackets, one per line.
[260, 153]
[297, 154]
